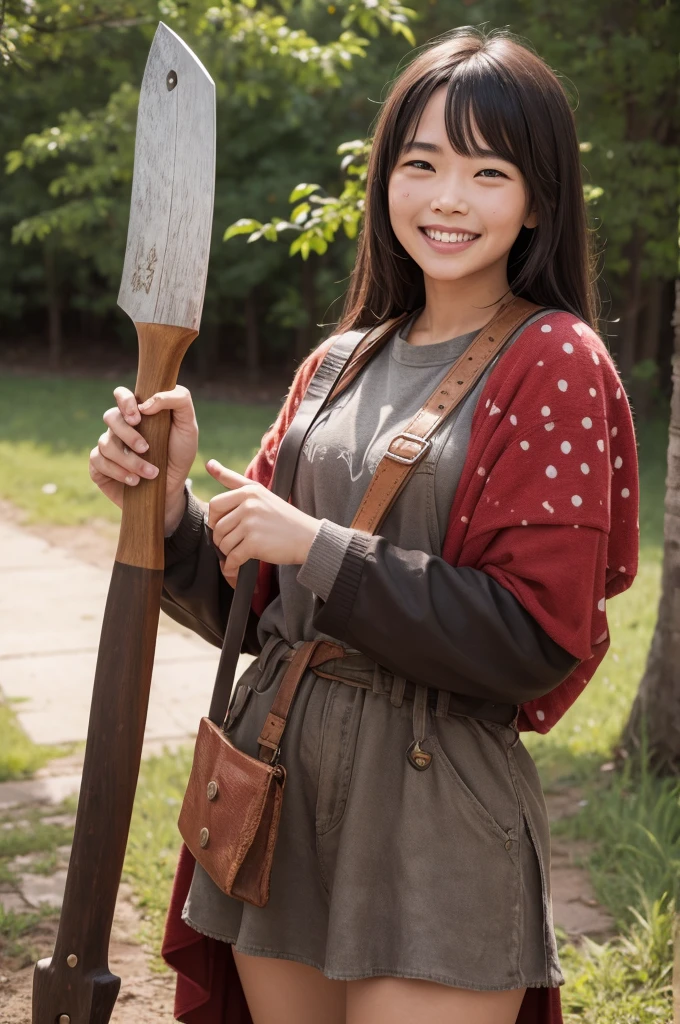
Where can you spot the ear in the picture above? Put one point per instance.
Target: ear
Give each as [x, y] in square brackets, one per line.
[532, 220]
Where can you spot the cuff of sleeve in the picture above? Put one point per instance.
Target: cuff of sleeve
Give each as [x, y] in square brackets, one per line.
[186, 538]
[322, 565]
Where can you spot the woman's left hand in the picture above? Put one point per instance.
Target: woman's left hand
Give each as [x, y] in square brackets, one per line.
[250, 521]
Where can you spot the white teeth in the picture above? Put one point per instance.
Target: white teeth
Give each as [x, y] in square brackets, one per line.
[445, 236]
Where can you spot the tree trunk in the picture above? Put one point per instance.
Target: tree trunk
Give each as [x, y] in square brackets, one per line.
[305, 335]
[252, 339]
[206, 352]
[656, 708]
[54, 333]
[644, 388]
[632, 290]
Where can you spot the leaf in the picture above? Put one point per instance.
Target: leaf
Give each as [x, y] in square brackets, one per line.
[241, 227]
[301, 191]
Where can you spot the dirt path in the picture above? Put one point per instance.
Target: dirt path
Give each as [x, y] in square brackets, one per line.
[145, 997]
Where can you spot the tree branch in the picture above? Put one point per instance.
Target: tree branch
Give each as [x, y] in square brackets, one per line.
[86, 25]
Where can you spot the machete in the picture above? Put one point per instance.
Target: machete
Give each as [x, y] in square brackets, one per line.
[162, 290]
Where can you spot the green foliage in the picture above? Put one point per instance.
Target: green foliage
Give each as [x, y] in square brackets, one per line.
[50, 425]
[19, 756]
[154, 842]
[627, 980]
[636, 818]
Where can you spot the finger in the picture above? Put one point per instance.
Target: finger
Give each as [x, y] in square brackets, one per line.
[99, 464]
[228, 477]
[115, 421]
[236, 555]
[228, 531]
[127, 403]
[220, 506]
[179, 399]
[115, 452]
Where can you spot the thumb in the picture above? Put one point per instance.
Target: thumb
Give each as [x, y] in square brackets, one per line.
[228, 477]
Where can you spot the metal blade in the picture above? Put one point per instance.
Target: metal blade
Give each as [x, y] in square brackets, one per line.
[173, 188]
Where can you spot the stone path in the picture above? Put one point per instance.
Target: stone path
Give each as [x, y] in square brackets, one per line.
[51, 610]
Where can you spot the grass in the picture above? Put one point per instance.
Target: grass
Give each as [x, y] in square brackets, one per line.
[19, 756]
[154, 842]
[626, 980]
[49, 426]
[23, 831]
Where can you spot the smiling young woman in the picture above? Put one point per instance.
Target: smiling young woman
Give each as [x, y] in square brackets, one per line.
[479, 609]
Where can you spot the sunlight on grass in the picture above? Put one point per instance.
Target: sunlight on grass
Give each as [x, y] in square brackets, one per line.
[50, 425]
[19, 756]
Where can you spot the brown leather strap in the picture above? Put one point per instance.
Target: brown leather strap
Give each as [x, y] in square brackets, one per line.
[399, 461]
[311, 653]
[411, 444]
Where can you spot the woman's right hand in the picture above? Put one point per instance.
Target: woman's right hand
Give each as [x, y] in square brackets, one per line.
[112, 467]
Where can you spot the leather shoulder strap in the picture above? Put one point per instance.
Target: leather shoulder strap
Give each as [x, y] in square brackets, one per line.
[409, 446]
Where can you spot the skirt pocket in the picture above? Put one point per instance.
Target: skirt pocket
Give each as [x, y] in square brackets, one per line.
[473, 760]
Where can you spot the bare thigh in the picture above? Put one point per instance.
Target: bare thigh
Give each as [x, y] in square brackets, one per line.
[287, 992]
[403, 1000]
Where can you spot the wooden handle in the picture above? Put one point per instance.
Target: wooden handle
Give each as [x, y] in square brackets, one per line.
[161, 350]
[75, 985]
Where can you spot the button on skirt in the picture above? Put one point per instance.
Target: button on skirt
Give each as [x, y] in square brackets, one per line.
[383, 869]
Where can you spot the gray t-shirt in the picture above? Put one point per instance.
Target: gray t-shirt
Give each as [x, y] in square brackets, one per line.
[340, 454]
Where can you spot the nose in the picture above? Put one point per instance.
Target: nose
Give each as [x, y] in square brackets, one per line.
[449, 202]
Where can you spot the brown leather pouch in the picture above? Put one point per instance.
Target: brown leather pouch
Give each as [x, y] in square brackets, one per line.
[230, 814]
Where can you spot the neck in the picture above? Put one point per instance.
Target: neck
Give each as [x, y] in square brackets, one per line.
[457, 307]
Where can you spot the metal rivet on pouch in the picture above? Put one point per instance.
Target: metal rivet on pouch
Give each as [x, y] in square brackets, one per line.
[508, 844]
[64, 1019]
[212, 790]
[72, 960]
[204, 837]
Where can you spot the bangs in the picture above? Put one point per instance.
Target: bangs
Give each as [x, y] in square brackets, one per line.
[479, 94]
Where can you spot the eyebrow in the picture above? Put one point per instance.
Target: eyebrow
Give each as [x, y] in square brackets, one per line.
[431, 147]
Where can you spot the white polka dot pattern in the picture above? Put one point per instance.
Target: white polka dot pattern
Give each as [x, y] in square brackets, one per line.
[551, 472]
[562, 385]
[565, 447]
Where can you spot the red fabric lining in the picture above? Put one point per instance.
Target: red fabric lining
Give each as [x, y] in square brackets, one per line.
[554, 402]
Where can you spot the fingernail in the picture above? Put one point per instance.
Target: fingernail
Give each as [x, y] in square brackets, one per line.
[130, 480]
[141, 446]
[147, 404]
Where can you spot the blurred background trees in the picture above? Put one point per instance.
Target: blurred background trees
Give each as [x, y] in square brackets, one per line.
[299, 83]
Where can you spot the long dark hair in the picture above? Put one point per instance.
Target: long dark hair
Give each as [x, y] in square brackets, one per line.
[523, 114]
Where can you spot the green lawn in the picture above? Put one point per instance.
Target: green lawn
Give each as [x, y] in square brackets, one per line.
[48, 427]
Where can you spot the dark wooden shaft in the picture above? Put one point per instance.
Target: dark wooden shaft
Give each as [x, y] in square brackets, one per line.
[86, 992]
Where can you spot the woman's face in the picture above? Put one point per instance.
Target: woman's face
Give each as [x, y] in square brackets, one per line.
[435, 188]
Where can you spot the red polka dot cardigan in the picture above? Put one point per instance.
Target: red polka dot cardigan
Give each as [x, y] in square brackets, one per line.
[547, 501]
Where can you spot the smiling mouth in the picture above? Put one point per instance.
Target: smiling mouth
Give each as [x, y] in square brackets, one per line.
[451, 237]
